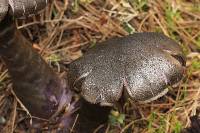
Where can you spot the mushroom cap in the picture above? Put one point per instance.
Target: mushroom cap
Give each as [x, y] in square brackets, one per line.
[142, 65]
[3, 8]
[22, 8]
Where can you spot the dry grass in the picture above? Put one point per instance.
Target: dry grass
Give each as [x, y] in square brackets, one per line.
[66, 27]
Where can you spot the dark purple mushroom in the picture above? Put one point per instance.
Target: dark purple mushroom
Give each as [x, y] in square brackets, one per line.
[40, 89]
[37, 86]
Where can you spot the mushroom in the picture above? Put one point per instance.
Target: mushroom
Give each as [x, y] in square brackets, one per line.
[140, 66]
[40, 89]
[34, 82]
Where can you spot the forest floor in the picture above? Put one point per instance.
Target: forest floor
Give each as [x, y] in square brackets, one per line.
[66, 28]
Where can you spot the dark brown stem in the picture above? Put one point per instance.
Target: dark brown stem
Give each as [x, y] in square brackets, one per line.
[91, 116]
[39, 88]
[195, 125]
[36, 85]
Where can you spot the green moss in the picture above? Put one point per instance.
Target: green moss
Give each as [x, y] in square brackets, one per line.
[139, 4]
[54, 58]
[116, 118]
[129, 28]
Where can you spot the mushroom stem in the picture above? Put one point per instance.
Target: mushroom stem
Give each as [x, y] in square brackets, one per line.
[194, 126]
[91, 116]
[41, 91]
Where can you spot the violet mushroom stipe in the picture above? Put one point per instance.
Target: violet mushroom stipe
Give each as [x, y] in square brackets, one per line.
[41, 91]
[141, 65]
[36, 85]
